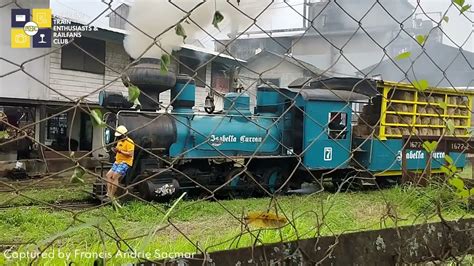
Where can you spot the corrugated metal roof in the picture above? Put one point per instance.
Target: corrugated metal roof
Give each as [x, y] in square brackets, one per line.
[290, 59]
[329, 95]
[210, 52]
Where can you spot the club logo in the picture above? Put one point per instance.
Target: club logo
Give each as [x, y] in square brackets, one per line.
[31, 28]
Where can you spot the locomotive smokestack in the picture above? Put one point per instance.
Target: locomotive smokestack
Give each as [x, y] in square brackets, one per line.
[146, 74]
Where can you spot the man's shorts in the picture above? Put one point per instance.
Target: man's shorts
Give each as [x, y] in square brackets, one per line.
[120, 168]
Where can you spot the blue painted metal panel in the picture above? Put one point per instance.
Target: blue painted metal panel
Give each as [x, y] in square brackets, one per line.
[237, 103]
[202, 136]
[183, 91]
[268, 97]
[385, 155]
[322, 152]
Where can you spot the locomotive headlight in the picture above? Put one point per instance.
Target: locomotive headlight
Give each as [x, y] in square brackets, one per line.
[209, 104]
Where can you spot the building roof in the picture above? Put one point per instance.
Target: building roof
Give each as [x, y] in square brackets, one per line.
[297, 62]
[329, 95]
[219, 55]
[439, 64]
[362, 86]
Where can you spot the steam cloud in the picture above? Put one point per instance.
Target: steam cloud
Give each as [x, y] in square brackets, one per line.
[153, 17]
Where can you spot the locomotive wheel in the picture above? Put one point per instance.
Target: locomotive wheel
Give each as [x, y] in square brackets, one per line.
[241, 184]
[274, 178]
[143, 189]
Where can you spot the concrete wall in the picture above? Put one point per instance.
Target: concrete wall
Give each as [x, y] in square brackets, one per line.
[18, 84]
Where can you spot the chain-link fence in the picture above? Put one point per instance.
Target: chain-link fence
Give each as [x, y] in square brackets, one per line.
[156, 130]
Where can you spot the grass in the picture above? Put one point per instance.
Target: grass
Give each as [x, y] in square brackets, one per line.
[38, 195]
[210, 225]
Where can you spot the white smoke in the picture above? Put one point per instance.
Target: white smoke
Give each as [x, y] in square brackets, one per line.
[153, 17]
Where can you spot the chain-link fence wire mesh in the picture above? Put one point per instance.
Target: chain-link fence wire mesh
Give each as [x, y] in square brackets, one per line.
[412, 109]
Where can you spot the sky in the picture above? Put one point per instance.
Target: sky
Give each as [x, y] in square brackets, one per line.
[458, 28]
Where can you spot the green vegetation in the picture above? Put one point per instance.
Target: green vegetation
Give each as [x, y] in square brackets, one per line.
[211, 225]
[38, 195]
[467, 171]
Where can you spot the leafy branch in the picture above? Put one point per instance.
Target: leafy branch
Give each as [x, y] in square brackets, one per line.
[461, 5]
[97, 118]
[133, 94]
[455, 181]
[165, 63]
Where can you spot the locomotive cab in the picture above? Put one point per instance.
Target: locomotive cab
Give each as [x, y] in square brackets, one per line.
[325, 107]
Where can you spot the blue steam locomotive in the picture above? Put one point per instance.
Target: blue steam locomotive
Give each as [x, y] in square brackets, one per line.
[303, 133]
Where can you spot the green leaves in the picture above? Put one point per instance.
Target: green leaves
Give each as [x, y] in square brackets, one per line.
[180, 31]
[461, 191]
[4, 134]
[421, 85]
[449, 170]
[77, 175]
[218, 18]
[133, 94]
[420, 39]
[403, 55]
[430, 146]
[96, 118]
[448, 159]
[446, 19]
[450, 126]
[462, 8]
[165, 62]
[465, 8]
[456, 182]
[460, 3]
[443, 105]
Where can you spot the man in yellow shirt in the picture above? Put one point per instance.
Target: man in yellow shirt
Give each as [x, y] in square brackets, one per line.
[123, 160]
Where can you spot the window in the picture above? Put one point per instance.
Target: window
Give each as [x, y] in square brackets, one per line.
[74, 58]
[57, 126]
[337, 125]
[189, 65]
[270, 81]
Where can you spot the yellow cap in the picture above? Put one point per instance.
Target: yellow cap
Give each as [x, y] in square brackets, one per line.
[121, 130]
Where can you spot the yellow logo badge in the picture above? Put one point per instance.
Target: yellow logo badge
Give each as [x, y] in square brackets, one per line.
[42, 17]
[19, 39]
